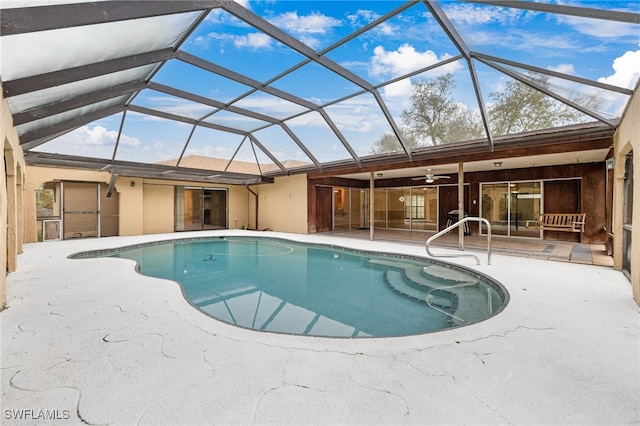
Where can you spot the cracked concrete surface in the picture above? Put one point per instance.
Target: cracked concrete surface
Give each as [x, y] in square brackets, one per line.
[102, 344]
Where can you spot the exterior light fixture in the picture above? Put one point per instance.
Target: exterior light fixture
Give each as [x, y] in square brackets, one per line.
[497, 163]
[611, 163]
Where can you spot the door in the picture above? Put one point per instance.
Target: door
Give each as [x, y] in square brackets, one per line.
[324, 209]
[109, 212]
[80, 210]
[214, 209]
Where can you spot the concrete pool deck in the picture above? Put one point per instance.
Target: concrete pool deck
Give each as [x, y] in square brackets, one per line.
[91, 341]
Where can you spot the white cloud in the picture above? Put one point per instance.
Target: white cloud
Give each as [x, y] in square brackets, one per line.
[220, 16]
[387, 29]
[405, 59]
[471, 14]
[306, 27]
[356, 115]
[362, 17]
[97, 136]
[96, 141]
[399, 89]
[253, 40]
[563, 68]
[312, 119]
[272, 106]
[599, 28]
[314, 23]
[626, 70]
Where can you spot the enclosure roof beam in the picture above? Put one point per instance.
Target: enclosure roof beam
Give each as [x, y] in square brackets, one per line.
[51, 17]
[583, 12]
[77, 102]
[208, 101]
[33, 83]
[35, 138]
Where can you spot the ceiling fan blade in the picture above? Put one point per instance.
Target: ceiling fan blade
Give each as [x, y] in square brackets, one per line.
[441, 177]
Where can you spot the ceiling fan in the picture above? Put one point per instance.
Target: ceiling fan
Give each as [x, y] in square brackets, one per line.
[430, 177]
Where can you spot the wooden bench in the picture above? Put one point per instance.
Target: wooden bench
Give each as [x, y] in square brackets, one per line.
[559, 222]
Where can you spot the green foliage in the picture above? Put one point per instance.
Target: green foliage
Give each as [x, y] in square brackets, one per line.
[436, 118]
[44, 198]
[520, 108]
[389, 142]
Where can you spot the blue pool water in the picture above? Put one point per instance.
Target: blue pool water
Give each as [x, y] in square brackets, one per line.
[280, 286]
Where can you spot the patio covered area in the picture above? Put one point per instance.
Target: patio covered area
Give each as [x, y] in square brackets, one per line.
[561, 251]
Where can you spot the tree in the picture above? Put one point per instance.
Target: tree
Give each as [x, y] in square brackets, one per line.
[434, 118]
[44, 197]
[520, 108]
[389, 142]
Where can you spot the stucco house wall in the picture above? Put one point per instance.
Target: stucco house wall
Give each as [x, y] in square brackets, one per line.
[12, 187]
[146, 205]
[627, 139]
[282, 206]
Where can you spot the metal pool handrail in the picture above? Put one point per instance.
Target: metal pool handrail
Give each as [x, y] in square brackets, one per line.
[461, 246]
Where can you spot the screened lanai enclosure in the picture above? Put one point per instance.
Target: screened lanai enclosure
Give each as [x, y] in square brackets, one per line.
[240, 92]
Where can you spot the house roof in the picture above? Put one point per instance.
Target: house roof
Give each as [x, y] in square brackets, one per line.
[257, 89]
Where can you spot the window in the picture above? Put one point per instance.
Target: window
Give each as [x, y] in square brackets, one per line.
[627, 213]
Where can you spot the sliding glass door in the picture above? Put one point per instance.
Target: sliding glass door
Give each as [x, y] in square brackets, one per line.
[509, 205]
[357, 208]
[525, 206]
[422, 208]
[200, 208]
[394, 208]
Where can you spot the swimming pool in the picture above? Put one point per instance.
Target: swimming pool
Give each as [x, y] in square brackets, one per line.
[282, 286]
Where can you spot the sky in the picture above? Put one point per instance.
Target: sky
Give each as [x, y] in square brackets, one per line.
[412, 40]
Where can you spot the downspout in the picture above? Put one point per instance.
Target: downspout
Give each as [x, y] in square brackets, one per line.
[255, 195]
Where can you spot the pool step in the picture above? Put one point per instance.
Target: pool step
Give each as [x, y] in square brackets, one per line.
[432, 276]
[395, 280]
[444, 275]
[456, 292]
